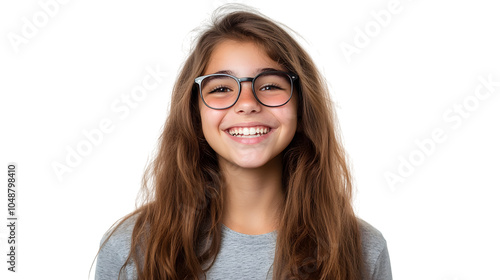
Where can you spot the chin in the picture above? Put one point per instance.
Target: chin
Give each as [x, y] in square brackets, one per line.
[250, 164]
[253, 162]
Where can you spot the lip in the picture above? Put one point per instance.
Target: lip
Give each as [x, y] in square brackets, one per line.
[252, 140]
[248, 124]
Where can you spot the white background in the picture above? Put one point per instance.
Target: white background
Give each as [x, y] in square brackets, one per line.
[441, 222]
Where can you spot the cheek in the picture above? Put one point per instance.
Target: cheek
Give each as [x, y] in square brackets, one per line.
[210, 121]
[289, 117]
[292, 124]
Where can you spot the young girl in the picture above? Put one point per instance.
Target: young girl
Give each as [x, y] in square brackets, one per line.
[250, 180]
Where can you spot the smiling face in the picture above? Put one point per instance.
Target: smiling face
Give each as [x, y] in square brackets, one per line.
[248, 134]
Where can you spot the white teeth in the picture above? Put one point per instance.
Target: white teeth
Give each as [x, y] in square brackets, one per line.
[248, 131]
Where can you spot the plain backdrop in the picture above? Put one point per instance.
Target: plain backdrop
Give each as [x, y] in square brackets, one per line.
[416, 86]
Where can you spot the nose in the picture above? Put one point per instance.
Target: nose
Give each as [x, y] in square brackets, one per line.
[247, 103]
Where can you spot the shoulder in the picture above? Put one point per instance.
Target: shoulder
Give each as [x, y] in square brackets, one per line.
[121, 235]
[115, 250]
[372, 239]
[375, 252]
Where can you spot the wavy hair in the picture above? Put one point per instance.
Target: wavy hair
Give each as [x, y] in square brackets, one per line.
[177, 232]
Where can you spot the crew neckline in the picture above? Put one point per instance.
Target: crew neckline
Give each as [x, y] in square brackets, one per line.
[255, 236]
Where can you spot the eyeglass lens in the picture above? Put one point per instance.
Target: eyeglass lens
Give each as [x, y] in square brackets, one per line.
[271, 89]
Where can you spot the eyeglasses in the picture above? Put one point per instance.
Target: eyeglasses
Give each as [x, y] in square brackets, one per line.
[270, 88]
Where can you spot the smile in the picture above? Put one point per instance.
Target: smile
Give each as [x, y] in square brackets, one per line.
[248, 132]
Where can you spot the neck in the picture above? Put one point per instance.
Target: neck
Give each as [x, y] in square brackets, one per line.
[253, 197]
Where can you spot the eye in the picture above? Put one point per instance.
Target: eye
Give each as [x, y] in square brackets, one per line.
[270, 87]
[220, 89]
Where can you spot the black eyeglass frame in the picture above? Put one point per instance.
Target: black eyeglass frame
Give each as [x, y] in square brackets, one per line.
[292, 76]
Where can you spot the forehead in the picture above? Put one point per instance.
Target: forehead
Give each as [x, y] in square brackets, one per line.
[240, 58]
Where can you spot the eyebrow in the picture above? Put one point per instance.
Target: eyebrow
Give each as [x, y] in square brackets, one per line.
[260, 70]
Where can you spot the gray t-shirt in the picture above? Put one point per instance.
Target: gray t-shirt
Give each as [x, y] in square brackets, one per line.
[241, 256]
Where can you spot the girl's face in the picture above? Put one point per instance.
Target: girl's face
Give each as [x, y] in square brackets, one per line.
[246, 59]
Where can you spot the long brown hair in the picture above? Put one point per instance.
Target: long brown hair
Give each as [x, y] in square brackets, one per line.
[177, 232]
